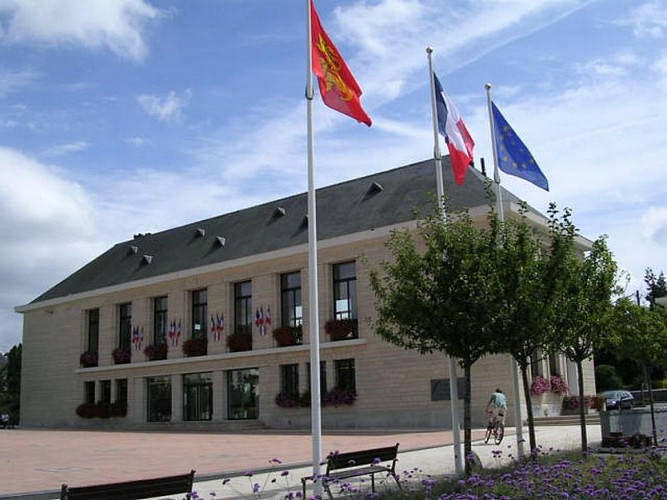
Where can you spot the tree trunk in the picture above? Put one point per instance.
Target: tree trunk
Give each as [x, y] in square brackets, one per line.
[467, 417]
[649, 387]
[582, 412]
[529, 408]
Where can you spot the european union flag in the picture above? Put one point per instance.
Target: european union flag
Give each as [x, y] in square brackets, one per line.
[513, 155]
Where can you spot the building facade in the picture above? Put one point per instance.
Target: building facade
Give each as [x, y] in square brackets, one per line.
[206, 325]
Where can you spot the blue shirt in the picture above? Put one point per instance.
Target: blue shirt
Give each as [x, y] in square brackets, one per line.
[499, 400]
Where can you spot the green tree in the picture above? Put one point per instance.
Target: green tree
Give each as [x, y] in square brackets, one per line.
[10, 383]
[530, 263]
[656, 285]
[584, 306]
[641, 334]
[606, 378]
[437, 293]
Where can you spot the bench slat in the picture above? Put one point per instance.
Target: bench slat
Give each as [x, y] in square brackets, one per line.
[361, 457]
[355, 464]
[344, 474]
[132, 490]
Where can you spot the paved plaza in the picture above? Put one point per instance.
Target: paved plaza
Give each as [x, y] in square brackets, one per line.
[36, 462]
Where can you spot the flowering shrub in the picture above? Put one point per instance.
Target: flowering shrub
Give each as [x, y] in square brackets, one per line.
[539, 386]
[285, 400]
[558, 385]
[101, 409]
[288, 335]
[195, 347]
[86, 410]
[237, 342]
[121, 355]
[155, 352]
[596, 402]
[341, 329]
[118, 409]
[339, 397]
[571, 403]
[640, 475]
[334, 397]
[88, 359]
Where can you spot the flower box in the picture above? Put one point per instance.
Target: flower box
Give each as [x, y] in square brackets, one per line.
[101, 410]
[118, 409]
[156, 352]
[284, 400]
[122, 355]
[238, 342]
[342, 329]
[195, 347]
[571, 404]
[558, 385]
[339, 397]
[88, 359]
[539, 386]
[288, 335]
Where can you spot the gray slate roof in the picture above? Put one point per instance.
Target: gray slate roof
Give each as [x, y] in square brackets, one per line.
[345, 208]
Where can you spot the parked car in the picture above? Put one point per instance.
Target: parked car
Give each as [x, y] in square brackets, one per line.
[618, 400]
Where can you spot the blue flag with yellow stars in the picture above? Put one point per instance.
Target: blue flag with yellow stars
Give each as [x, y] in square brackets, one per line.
[513, 155]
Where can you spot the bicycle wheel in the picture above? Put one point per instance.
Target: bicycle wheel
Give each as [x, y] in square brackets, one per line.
[499, 433]
[489, 430]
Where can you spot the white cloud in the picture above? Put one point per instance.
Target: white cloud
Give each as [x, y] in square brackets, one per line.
[654, 223]
[137, 141]
[65, 149]
[166, 109]
[648, 20]
[49, 227]
[12, 81]
[116, 25]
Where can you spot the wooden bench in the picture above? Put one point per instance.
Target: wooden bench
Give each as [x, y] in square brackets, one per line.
[342, 466]
[131, 490]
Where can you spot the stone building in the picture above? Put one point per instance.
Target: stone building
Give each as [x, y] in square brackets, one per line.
[206, 325]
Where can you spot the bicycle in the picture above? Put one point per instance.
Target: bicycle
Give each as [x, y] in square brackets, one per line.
[495, 428]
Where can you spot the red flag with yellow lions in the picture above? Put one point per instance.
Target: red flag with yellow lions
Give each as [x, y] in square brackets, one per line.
[338, 87]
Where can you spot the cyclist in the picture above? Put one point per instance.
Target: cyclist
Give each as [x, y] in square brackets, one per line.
[497, 406]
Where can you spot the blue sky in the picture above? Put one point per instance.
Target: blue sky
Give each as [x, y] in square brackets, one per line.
[127, 116]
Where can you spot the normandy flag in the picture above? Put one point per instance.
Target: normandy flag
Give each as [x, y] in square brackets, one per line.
[338, 87]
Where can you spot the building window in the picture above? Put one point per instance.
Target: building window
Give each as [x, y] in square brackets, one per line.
[93, 327]
[121, 391]
[199, 305]
[242, 396]
[158, 397]
[197, 396]
[323, 378]
[553, 365]
[105, 391]
[243, 308]
[346, 379]
[535, 364]
[289, 381]
[290, 299]
[89, 392]
[345, 290]
[125, 325]
[160, 309]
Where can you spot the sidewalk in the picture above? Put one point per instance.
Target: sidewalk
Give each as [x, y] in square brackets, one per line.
[35, 463]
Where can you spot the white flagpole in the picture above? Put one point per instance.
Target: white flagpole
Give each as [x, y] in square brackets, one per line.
[501, 213]
[440, 189]
[314, 321]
